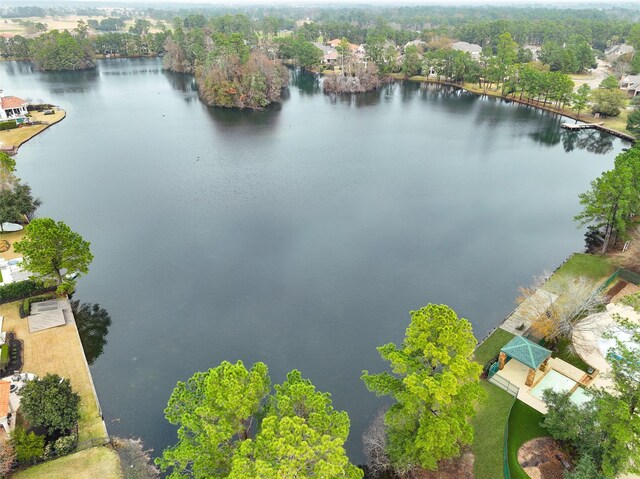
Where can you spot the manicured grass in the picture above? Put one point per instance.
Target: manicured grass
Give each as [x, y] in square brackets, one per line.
[524, 425]
[564, 352]
[491, 346]
[591, 266]
[489, 425]
[97, 462]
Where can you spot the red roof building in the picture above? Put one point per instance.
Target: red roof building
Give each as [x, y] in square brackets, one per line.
[12, 107]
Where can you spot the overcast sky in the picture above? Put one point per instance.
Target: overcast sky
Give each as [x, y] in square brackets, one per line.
[571, 3]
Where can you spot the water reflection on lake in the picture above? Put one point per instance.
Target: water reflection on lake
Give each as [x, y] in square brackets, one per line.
[301, 235]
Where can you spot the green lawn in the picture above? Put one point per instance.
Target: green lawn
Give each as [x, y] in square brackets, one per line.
[632, 300]
[489, 425]
[564, 352]
[592, 266]
[491, 346]
[98, 462]
[524, 425]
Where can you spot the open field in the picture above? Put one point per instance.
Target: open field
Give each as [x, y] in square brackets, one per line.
[97, 462]
[67, 22]
[58, 350]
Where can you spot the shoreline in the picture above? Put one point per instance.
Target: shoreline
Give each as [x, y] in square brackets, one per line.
[594, 122]
[17, 137]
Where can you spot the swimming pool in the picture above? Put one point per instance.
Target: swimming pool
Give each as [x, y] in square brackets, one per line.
[555, 381]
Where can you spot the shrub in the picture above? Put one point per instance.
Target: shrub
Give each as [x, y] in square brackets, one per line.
[51, 403]
[8, 125]
[4, 356]
[22, 290]
[26, 304]
[65, 445]
[29, 447]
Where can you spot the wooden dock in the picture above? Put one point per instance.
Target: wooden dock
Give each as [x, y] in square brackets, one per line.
[597, 126]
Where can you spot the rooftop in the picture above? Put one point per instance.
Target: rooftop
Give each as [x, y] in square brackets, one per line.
[525, 351]
[4, 398]
[11, 102]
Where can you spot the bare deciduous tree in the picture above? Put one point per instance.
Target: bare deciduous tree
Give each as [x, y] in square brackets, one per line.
[135, 460]
[558, 318]
[375, 445]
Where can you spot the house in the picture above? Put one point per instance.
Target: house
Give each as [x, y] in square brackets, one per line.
[631, 84]
[334, 43]
[12, 107]
[534, 49]
[416, 43]
[472, 48]
[616, 51]
[329, 54]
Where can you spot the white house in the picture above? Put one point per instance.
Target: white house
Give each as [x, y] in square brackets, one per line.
[12, 107]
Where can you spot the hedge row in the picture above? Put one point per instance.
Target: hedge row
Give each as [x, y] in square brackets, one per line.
[22, 290]
[8, 125]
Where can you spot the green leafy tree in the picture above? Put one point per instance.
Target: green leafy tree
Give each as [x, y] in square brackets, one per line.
[28, 446]
[53, 251]
[609, 83]
[633, 122]
[507, 49]
[51, 403]
[300, 436]
[625, 365]
[297, 431]
[344, 50]
[585, 469]
[603, 429]
[7, 170]
[57, 50]
[16, 204]
[411, 63]
[435, 384]
[580, 99]
[614, 198]
[307, 55]
[214, 411]
[608, 102]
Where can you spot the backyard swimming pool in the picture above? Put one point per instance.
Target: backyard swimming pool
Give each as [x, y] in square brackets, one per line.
[560, 383]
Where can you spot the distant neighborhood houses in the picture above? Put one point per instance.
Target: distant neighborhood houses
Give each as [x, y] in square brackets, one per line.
[616, 51]
[472, 48]
[330, 52]
[631, 84]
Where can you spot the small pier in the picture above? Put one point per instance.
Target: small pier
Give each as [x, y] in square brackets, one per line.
[597, 126]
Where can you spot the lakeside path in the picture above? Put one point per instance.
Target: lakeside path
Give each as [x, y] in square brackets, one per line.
[11, 140]
[59, 351]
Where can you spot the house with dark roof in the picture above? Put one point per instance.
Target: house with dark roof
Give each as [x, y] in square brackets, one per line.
[616, 51]
[12, 107]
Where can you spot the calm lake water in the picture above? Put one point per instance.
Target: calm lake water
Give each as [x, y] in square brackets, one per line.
[300, 236]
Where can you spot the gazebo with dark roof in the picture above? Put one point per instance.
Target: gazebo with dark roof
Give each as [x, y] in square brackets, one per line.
[526, 352]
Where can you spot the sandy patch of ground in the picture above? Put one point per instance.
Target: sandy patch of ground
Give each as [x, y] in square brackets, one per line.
[458, 468]
[541, 458]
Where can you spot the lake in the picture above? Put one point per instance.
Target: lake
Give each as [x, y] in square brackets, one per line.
[300, 236]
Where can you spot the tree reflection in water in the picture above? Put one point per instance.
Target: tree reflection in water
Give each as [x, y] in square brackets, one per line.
[93, 325]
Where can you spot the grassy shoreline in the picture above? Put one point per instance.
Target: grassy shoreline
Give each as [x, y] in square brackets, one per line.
[612, 124]
[12, 140]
